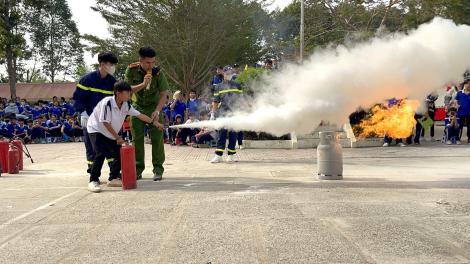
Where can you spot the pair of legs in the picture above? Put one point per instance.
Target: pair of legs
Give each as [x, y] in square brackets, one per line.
[418, 131]
[232, 140]
[202, 138]
[453, 131]
[188, 132]
[101, 146]
[240, 138]
[158, 151]
[55, 134]
[127, 134]
[462, 119]
[389, 140]
[90, 153]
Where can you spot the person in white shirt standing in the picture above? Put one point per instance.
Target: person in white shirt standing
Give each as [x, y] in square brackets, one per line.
[103, 126]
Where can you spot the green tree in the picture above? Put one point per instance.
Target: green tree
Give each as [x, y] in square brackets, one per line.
[56, 37]
[191, 37]
[82, 70]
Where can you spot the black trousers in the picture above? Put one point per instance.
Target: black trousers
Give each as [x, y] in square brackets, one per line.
[102, 145]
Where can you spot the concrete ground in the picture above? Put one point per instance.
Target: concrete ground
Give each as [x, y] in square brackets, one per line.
[267, 208]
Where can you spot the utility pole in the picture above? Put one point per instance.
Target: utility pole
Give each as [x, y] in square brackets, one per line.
[301, 32]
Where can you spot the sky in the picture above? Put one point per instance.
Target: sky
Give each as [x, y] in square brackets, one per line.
[91, 22]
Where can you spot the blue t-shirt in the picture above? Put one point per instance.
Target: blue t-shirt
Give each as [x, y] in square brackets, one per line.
[179, 109]
[71, 111]
[21, 129]
[192, 106]
[50, 124]
[56, 111]
[167, 110]
[67, 126]
[464, 102]
[2, 112]
[217, 80]
[447, 121]
[10, 129]
[35, 113]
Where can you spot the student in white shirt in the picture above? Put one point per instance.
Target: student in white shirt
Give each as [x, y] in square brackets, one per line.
[103, 126]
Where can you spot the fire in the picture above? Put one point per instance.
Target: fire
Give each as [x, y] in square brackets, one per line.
[396, 121]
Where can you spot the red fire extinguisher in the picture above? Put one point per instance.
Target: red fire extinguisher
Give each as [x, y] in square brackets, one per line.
[19, 145]
[128, 171]
[4, 155]
[13, 160]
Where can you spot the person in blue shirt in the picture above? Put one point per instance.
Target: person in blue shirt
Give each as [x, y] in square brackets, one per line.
[3, 126]
[78, 131]
[29, 130]
[54, 99]
[42, 108]
[178, 106]
[36, 111]
[22, 130]
[269, 65]
[67, 129]
[55, 109]
[63, 105]
[70, 106]
[39, 130]
[2, 109]
[24, 107]
[193, 104]
[54, 127]
[11, 126]
[452, 126]
[219, 77]
[91, 89]
[462, 102]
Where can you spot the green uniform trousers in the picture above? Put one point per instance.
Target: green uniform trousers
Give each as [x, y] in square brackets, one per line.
[137, 129]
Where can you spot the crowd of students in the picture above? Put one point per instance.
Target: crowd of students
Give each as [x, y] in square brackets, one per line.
[43, 122]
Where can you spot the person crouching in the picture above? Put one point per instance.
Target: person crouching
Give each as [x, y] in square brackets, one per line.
[452, 126]
[103, 126]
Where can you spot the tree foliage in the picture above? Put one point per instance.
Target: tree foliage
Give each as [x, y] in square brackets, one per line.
[191, 36]
[56, 38]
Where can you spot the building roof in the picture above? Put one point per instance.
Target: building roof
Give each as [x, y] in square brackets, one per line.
[40, 90]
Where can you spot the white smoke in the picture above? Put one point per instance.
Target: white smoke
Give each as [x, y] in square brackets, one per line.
[332, 84]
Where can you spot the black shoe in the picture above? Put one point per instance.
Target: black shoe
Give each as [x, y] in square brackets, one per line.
[157, 177]
[468, 140]
[138, 176]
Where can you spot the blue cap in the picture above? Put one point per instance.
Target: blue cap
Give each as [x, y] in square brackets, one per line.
[228, 69]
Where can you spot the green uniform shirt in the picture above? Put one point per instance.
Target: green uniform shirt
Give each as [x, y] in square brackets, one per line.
[135, 76]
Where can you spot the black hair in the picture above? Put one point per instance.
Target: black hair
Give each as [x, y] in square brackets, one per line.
[466, 81]
[192, 91]
[29, 121]
[40, 101]
[36, 103]
[21, 119]
[45, 102]
[107, 57]
[54, 115]
[121, 87]
[54, 97]
[147, 52]
[219, 67]
[63, 98]
[38, 116]
[167, 96]
[268, 61]
[452, 109]
[12, 117]
[192, 114]
[11, 100]
[203, 113]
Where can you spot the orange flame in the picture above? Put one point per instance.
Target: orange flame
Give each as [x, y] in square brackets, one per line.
[396, 121]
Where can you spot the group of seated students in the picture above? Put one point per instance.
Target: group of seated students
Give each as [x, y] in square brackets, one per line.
[45, 122]
[199, 136]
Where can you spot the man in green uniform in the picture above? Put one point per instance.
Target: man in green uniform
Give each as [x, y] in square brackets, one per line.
[149, 87]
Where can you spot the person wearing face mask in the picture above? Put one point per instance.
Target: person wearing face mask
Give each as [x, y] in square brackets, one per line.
[12, 107]
[91, 89]
[36, 111]
[229, 95]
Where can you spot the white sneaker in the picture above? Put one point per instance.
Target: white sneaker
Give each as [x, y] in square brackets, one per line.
[216, 159]
[432, 139]
[458, 142]
[401, 145]
[94, 187]
[448, 142]
[115, 183]
[231, 158]
[76, 139]
[386, 144]
[44, 141]
[241, 147]
[423, 139]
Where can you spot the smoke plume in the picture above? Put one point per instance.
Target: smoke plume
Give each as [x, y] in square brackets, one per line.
[332, 84]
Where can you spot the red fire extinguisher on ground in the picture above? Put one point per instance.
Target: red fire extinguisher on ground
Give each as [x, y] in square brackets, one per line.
[4, 155]
[13, 160]
[128, 171]
[19, 145]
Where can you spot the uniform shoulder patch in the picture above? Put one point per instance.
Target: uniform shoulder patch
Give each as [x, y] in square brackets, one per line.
[156, 71]
[133, 65]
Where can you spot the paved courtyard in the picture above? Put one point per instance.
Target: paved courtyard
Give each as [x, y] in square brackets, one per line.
[267, 208]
